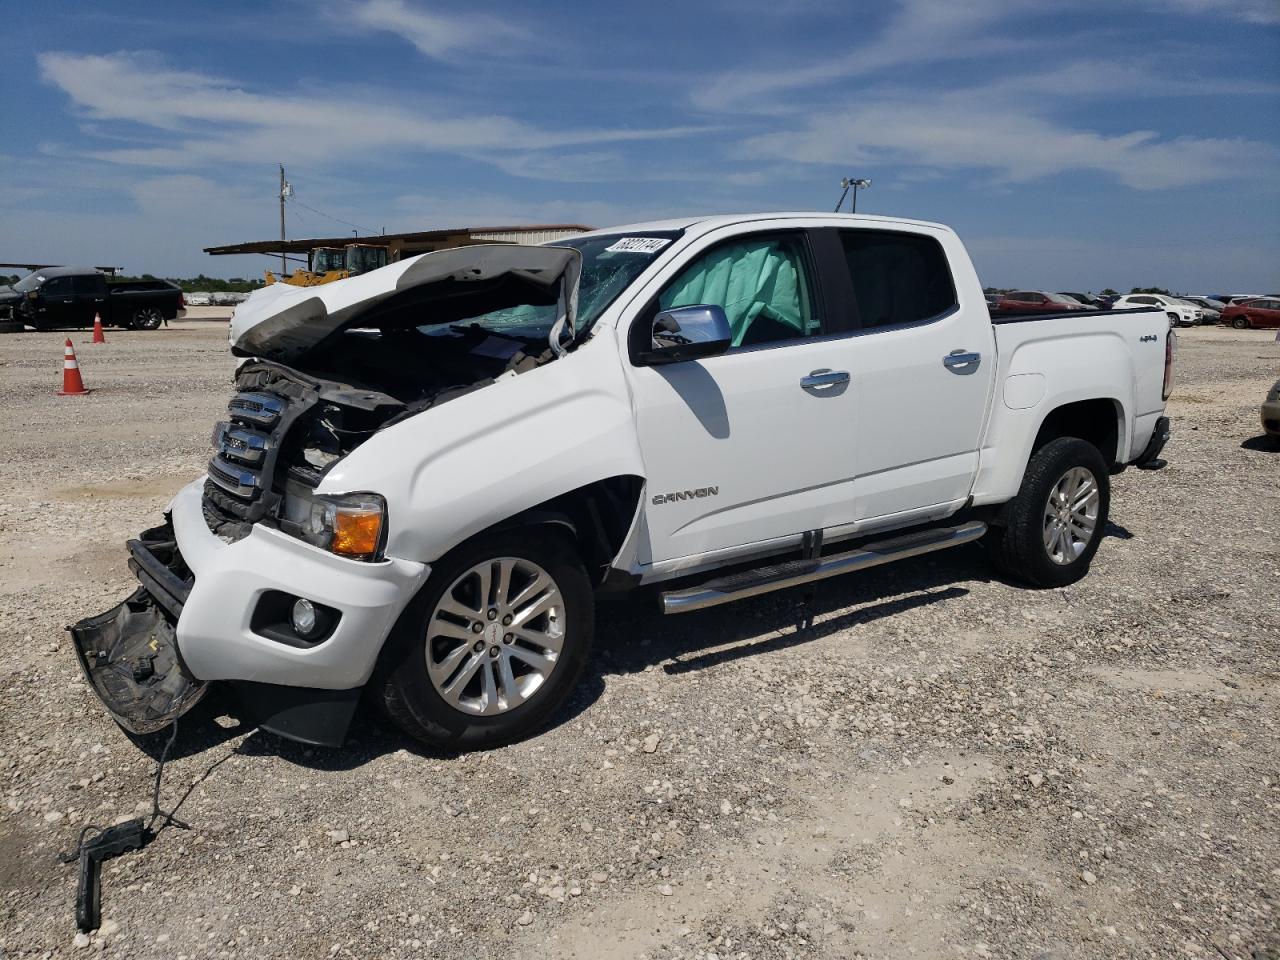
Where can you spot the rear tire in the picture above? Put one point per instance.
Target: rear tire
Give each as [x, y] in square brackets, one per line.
[468, 706]
[147, 319]
[1240, 323]
[1029, 540]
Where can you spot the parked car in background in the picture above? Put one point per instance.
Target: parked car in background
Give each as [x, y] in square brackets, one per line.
[1179, 312]
[1271, 411]
[1212, 308]
[53, 298]
[199, 299]
[1037, 301]
[1263, 313]
[1088, 299]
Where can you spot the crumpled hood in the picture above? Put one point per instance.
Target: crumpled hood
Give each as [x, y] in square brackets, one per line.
[283, 321]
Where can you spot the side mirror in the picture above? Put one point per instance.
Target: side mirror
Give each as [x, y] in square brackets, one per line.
[687, 333]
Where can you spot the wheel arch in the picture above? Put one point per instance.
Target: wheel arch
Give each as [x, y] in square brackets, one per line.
[597, 516]
[1098, 420]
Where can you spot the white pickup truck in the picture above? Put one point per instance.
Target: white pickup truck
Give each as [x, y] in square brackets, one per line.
[427, 471]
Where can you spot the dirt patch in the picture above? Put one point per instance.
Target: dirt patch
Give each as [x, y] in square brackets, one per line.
[141, 487]
[1088, 773]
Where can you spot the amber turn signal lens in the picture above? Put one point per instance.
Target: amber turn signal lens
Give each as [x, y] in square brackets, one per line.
[356, 532]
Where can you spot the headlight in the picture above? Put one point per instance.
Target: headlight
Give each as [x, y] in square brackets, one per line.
[351, 525]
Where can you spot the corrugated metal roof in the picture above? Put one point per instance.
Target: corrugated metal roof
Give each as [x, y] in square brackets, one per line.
[518, 233]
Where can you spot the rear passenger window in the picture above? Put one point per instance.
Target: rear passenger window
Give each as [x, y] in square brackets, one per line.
[897, 277]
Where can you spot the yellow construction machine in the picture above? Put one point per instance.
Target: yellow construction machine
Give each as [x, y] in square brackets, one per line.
[328, 264]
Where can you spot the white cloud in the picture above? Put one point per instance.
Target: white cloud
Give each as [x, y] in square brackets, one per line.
[1263, 12]
[469, 208]
[156, 225]
[436, 35]
[918, 33]
[969, 131]
[210, 120]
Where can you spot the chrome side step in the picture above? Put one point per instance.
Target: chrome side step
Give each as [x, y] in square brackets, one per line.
[779, 576]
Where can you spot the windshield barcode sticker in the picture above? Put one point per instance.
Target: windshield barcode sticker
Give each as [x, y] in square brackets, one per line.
[638, 245]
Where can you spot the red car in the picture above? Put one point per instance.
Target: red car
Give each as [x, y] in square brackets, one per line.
[1263, 312]
[1037, 301]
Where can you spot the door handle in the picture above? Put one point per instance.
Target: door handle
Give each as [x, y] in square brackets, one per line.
[959, 360]
[824, 378]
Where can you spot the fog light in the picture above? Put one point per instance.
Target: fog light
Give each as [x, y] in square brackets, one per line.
[305, 620]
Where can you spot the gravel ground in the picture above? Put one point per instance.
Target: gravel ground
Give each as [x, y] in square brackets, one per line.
[944, 766]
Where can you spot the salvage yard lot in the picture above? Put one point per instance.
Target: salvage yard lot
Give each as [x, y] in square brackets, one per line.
[944, 766]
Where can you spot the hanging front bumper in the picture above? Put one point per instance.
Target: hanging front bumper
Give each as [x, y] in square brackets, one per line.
[129, 655]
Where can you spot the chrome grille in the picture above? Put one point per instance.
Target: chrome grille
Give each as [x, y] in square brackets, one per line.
[242, 444]
[241, 487]
[236, 480]
[262, 409]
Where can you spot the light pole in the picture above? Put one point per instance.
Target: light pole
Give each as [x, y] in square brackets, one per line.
[848, 182]
[286, 191]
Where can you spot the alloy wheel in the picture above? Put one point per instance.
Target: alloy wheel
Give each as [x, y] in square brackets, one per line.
[1071, 515]
[495, 636]
[149, 319]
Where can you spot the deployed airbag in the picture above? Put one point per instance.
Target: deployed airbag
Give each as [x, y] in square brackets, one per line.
[750, 280]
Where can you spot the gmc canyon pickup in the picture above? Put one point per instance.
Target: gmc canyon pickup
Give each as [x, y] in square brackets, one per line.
[427, 471]
[60, 297]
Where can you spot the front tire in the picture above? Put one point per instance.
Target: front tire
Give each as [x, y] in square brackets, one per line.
[1047, 535]
[493, 644]
[1240, 323]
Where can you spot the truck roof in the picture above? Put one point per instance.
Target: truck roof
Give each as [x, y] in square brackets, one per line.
[711, 222]
[65, 271]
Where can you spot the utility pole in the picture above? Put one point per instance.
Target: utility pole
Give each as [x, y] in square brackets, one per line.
[284, 266]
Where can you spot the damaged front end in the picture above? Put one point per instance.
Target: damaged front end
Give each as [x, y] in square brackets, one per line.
[129, 654]
[326, 369]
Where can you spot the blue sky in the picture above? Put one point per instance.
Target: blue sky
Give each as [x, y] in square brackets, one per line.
[1073, 145]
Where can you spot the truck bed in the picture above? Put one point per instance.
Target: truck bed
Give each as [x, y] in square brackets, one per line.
[1114, 359]
[999, 318]
[141, 286]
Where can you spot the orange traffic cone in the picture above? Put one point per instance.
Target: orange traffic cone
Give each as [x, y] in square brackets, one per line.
[72, 385]
[97, 329]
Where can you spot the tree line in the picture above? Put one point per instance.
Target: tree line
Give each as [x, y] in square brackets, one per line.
[199, 282]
